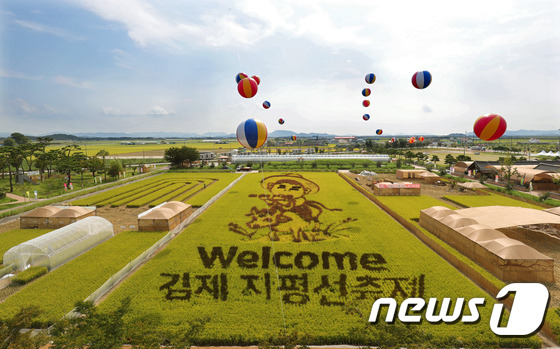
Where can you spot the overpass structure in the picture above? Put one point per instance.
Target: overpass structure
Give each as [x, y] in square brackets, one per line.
[240, 158]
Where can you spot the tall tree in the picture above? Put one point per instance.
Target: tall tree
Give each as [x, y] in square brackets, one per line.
[29, 152]
[95, 165]
[68, 162]
[19, 138]
[449, 159]
[11, 335]
[103, 153]
[177, 156]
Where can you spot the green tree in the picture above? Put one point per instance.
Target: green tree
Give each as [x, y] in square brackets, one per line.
[19, 138]
[449, 159]
[68, 162]
[11, 336]
[9, 142]
[409, 155]
[103, 153]
[462, 157]
[435, 158]
[177, 156]
[95, 165]
[114, 168]
[29, 152]
[93, 329]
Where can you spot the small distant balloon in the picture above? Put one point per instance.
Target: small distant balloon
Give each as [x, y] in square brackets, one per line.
[366, 92]
[257, 79]
[370, 78]
[421, 79]
[281, 121]
[421, 138]
[411, 140]
[393, 140]
[379, 131]
[247, 87]
[240, 77]
[365, 103]
[490, 127]
[293, 138]
[266, 104]
[252, 133]
[365, 117]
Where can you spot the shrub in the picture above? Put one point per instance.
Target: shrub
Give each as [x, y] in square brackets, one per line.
[29, 275]
[544, 196]
[2, 193]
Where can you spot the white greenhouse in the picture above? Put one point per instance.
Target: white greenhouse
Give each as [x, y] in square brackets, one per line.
[59, 246]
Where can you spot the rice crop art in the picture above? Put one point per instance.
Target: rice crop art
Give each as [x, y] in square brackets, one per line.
[287, 210]
[334, 249]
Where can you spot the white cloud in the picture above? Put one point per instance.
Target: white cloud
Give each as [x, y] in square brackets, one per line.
[21, 106]
[16, 75]
[41, 28]
[111, 111]
[68, 81]
[159, 111]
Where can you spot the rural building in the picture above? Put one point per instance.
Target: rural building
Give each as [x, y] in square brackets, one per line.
[345, 140]
[206, 155]
[165, 217]
[61, 245]
[427, 176]
[53, 217]
[69, 215]
[492, 237]
[37, 218]
[461, 167]
[388, 188]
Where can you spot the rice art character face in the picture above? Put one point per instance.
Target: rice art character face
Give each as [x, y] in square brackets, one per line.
[287, 211]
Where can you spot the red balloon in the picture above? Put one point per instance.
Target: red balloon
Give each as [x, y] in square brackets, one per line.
[247, 87]
[365, 103]
[257, 79]
[490, 127]
[421, 138]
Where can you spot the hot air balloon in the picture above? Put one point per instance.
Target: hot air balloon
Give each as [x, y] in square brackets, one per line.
[421, 79]
[393, 140]
[366, 92]
[365, 103]
[365, 117]
[293, 138]
[281, 121]
[370, 78]
[247, 87]
[240, 77]
[266, 104]
[257, 79]
[252, 133]
[411, 140]
[421, 138]
[379, 131]
[490, 127]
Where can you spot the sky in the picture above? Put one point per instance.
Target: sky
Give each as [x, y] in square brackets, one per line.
[129, 66]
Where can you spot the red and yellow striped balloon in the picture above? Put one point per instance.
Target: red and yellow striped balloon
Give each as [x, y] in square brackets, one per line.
[490, 127]
[247, 87]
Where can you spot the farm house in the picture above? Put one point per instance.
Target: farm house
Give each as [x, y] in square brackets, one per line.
[54, 217]
[38, 218]
[490, 236]
[165, 217]
[59, 246]
[69, 215]
[388, 188]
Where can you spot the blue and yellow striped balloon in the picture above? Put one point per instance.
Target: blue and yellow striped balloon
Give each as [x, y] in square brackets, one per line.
[252, 133]
[370, 78]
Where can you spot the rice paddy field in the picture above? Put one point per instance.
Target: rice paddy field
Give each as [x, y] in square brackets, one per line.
[490, 200]
[191, 188]
[57, 291]
[333, 248]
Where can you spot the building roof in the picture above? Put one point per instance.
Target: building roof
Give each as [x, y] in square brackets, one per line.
[72, 211]
[42, 212]
[498, 217]
[176, 206]
[471, 185]
[160, 213]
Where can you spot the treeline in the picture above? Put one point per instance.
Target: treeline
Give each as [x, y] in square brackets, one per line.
[19, 154]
